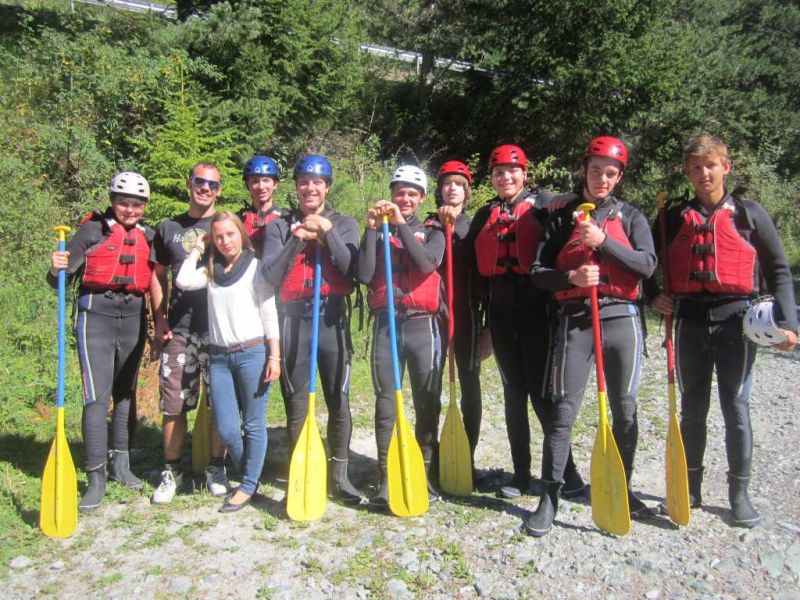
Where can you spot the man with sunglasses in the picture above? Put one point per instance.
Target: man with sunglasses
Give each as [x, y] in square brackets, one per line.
[182, 330]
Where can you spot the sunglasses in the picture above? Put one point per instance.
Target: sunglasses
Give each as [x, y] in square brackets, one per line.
[199, 182]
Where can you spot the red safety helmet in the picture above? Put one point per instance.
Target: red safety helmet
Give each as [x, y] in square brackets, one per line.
[609, 147]
[454, 167]
[508, 154]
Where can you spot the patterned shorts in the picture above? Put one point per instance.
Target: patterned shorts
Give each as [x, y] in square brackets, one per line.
[184, 363]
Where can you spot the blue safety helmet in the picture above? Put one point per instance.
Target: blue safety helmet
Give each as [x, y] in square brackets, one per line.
[261, 165]
[314, 164]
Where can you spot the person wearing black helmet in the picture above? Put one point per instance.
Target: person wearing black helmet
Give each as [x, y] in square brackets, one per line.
[453, 192]
[290, 246]
[502, 241]
[719, 248]
[613, 250]
[261, 176]
[417, 252]
[110, 329]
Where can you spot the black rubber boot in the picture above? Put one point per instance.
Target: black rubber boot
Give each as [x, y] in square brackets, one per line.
[121, 470]
[636, 507]
[695, 487]
[433, 495]
[541, 521]
[518, 485]
[341, 488]
[95, 489]
[744, 515]
[381, 499]
[574, 487]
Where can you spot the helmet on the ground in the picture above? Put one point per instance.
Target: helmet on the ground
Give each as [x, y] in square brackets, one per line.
[609, 147]
[455, 167]
[129, 183]
[411, 175]
[508, 154]
[314, 164]
[759, 323]
[261, 165]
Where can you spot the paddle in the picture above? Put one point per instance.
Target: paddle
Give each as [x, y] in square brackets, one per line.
[609, 489]
[677, 476]
[58, 509]
[408, 483]
[306, 494]
[455, 464]
[201, 433]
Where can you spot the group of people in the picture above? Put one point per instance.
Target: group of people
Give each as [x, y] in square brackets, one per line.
[240, 302]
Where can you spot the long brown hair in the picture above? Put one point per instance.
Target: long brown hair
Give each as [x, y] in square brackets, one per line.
[225, 215]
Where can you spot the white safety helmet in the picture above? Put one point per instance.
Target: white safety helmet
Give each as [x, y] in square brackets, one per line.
[129, 183]
[759, 323]
[410, 174]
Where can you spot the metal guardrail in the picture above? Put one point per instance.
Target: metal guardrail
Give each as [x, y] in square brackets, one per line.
[133, 5]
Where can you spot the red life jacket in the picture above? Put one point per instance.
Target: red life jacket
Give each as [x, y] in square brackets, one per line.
[412, 288]
[120, 261]
[508, 239]
[711, 256]
[615, 280]
[299, 282]
[255, 223]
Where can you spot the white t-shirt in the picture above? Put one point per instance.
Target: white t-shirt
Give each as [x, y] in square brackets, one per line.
[238, 312]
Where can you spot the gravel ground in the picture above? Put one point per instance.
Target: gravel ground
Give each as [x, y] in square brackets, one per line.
[462, 548]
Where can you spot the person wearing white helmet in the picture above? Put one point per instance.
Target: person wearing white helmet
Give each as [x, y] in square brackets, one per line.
[110, 330]
[417, 252]
[719, 246]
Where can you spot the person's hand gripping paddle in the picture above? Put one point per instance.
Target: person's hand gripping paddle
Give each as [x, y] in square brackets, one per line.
[408, 483]
[609, 489]
[455, 465]
[307, 491]
[58, 509]
[677, 476]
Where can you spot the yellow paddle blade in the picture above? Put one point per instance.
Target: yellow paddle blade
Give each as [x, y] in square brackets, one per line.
[455, 466]
[408, 484]
[58, 509]
[307, 489]
[677, 475]
[609, 489]
[201, 435]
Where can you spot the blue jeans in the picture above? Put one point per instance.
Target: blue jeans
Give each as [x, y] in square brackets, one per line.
[237, 386]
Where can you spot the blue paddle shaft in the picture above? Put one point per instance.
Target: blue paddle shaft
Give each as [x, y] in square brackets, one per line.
[390, 311]
[62, 329]
[312, 383]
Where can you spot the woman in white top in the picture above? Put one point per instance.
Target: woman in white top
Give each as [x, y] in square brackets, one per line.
[242, 316]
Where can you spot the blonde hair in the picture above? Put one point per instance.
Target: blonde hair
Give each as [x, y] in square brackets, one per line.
[705, 145]
[226, 215]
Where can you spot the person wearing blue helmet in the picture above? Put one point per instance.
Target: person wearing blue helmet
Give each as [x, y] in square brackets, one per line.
[261, 176]
[290, 246]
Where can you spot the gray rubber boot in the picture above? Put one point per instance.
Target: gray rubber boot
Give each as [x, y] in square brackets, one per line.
[541, 521]
[744, 515]
[341, 488]
[381, 499]
[121, 470]
[636, 507]
[95, 490]
[574, 486]
[695, 487]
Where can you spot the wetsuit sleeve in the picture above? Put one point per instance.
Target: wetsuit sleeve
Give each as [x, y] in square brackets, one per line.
[88, 234]
[367, 255]
[640, 259]
[342, 241]
[557, 229]
[278, 255]
[427, 255]
[774, 266]
[265, 295]
[189, 276]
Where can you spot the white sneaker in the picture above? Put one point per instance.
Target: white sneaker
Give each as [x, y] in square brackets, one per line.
[217, 481]
[169, 485]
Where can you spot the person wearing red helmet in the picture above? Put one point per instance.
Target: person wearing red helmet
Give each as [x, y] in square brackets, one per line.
[502, 241]
[613, 251]
[453, 192]
[261, 176]
[720, 249]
